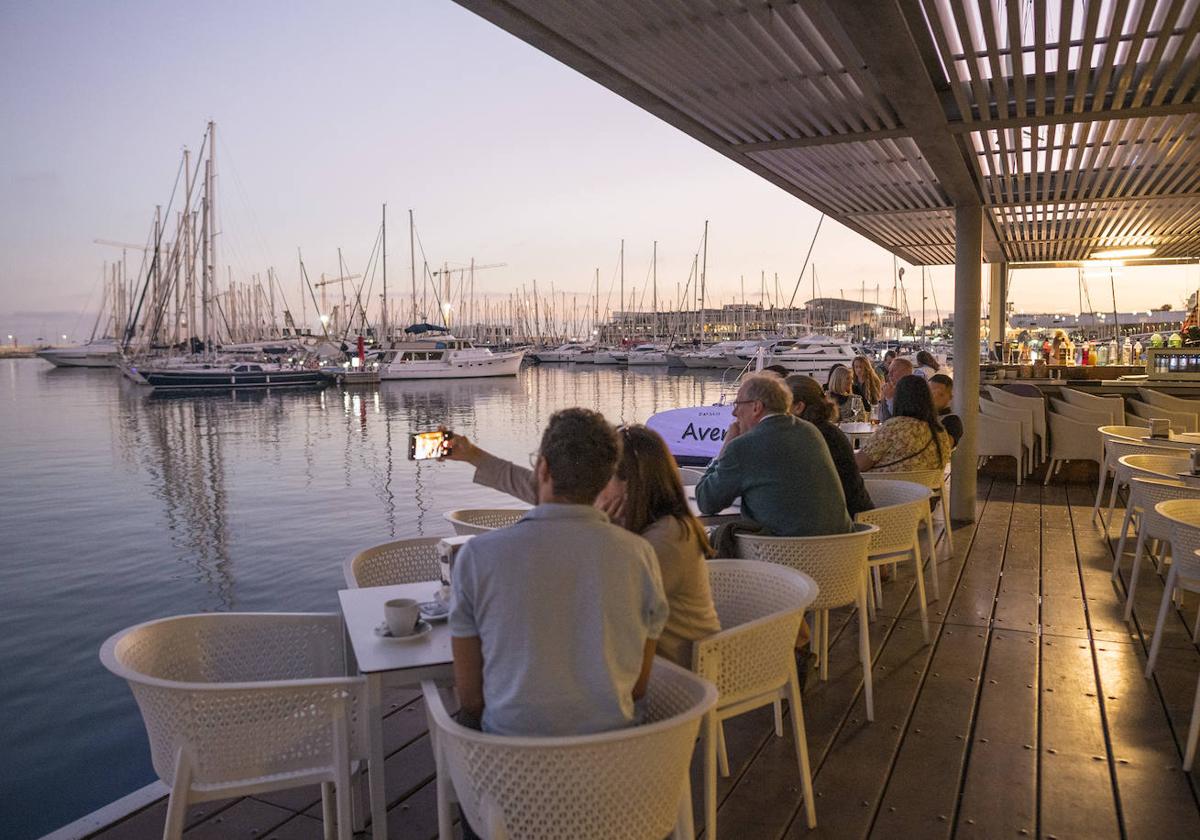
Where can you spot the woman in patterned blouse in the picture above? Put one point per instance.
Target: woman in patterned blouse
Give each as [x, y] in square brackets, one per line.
[912, 439]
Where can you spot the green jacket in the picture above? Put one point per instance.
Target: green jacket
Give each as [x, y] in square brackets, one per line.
[785, 475]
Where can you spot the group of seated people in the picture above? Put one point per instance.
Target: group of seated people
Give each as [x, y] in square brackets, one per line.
[555, 620]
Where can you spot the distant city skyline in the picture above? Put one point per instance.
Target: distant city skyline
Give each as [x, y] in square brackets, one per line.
[326, 112]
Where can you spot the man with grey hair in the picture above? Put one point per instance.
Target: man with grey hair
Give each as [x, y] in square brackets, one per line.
[778, 464]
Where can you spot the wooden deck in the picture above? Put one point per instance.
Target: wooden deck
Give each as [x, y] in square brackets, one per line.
[1027, 715]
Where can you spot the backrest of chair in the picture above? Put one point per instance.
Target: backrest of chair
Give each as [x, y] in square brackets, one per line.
[624, 783]
[760, 606]
[1118, 448]
[471, 521]
[1181, 421]
[1033, 403]
[1083, 415]
[1113, 404]
[999, 437]
[1146, 491]
[1071, 440]
[988, 408]
[1184, 515]
[1154, 397]
[929, 478]
[836, 562]
[1152, 465]
[401, 561]
[244, 695]
[691, 477]
[900, 508]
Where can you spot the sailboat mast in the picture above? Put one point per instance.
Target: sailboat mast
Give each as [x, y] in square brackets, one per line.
[383, 315]
[654, 275]
[413, 252]
[703, 281]
[213, 264]
[622, 298]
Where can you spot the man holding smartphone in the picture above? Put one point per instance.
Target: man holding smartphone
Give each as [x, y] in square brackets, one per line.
[554, 620]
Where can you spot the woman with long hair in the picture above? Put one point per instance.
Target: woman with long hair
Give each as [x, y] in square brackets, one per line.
[867, 383]
[841, 391]
[927, 363]
[809, 403]
[913, 438]
[645, 496]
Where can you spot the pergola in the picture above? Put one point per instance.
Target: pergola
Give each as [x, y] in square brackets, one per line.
[1013, 131]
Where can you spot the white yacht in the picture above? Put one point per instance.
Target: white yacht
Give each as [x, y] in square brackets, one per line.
[716, 356]
[94, 354]
[569, 352]
[447, 357]
[815, 355]
[611, 356]
[647, 354]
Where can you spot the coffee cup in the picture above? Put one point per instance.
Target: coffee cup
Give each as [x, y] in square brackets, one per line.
[402, 615]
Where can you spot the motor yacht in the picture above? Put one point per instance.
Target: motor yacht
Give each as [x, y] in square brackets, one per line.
[647, 354]
[569, 352]
[93, 354]
[447, 357]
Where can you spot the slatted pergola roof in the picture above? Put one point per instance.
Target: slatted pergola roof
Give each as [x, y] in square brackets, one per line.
[1073, 124]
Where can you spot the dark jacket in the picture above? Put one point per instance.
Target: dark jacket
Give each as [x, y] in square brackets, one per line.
[853, 486]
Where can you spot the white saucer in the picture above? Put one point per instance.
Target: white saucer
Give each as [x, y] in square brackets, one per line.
[424, 628]
[439, 616]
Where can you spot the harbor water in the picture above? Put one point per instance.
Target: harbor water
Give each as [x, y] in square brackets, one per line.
[118, 506]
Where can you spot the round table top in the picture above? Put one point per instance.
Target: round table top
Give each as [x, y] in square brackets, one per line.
[856, 428]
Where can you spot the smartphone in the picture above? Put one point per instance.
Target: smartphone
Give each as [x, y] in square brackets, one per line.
[423, 446]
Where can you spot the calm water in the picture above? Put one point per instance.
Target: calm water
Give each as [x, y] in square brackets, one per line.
[117, 507]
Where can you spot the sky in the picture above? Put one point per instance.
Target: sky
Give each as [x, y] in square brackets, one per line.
[326, 111]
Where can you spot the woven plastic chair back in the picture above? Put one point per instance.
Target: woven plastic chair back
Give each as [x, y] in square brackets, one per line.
[1071, 440]
[1113, 405]
[1083, 415]
[1184, 515]
[1118, 448]
[926, 478]
[690, 477]
[626, 783]
[1154, 466]
[1145, 493]
[246, 696]
[470, 521]
[900, 508]
[1181, 421]
[1023, 416]
[402, 561]
[1034, 402]
[760, 606]
[836, 562]
[1169, 402]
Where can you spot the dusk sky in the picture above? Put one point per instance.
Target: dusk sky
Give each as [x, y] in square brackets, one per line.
[325, 111]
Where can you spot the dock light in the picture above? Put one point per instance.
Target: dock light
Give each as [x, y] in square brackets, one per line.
[324, 320]
[354, 362]
[1122, 253]
[878, 310]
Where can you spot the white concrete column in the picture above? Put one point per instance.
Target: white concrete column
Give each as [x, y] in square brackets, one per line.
[968, 271]
[998, 302]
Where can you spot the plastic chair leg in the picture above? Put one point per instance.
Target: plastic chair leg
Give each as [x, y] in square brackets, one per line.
[722, 755]
[1189, 754]
[916, 553]
[710, 775]
[864, 650]
[937, 591]
[825, 635]
[800, 737]
[685, 825]
[178, 802]
[1116, 569]
[328, 809]
[778, 704]
[1099, 492]
[1112, 500]
[1133, 576]
[945, 497]
[1172, 576]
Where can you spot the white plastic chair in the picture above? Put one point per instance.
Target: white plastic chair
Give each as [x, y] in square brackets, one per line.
[691, 477]
[1111, 404]
[1083, 415]
[1071, 440]
[1121, 434]
[471, 521]
[630, 782]
[1184, 516]
[900, 509]
[242, 703]
[935, 480]
[1189, 755]
[1115, 451]
[391, 563]
[1002, 438]
[1177, 404]
[1145, 493]
[838, 564]
[752, 661]
[1024, 416]
[1036, 405]
[1181, 421]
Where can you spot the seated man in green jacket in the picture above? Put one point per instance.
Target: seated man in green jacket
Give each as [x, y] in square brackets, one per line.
[778, 464]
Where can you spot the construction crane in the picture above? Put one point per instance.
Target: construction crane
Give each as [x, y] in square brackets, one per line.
[125, 245]
[466, 268]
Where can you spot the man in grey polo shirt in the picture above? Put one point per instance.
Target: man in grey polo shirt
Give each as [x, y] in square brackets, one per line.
[554, 619]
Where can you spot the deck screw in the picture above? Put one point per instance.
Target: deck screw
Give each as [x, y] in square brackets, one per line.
[942, 817]
[1097, 758]
[1028, 746]
[983, 740]
[1052, 752]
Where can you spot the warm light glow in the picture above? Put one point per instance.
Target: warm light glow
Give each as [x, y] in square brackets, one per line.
[878, 310]
[1122, 253]
[446, 307]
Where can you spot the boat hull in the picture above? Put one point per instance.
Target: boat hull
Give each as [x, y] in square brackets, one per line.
[224, 380]
[64, 357]
[499, 364]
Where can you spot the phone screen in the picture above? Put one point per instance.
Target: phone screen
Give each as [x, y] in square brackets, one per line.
[425, 445]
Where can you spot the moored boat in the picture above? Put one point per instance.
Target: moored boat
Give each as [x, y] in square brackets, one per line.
[237, 376]
[447, 357]
[93, 354]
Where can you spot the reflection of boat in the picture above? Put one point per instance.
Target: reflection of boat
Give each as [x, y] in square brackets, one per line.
[226, 377]
[97, 354]
[447, 357]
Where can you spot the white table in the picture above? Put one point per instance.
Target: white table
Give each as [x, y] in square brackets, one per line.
[857, 431]
[428, 657]
[1179, 440]
[734, 509]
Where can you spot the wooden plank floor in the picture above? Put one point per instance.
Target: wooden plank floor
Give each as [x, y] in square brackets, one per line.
[1027, 715]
